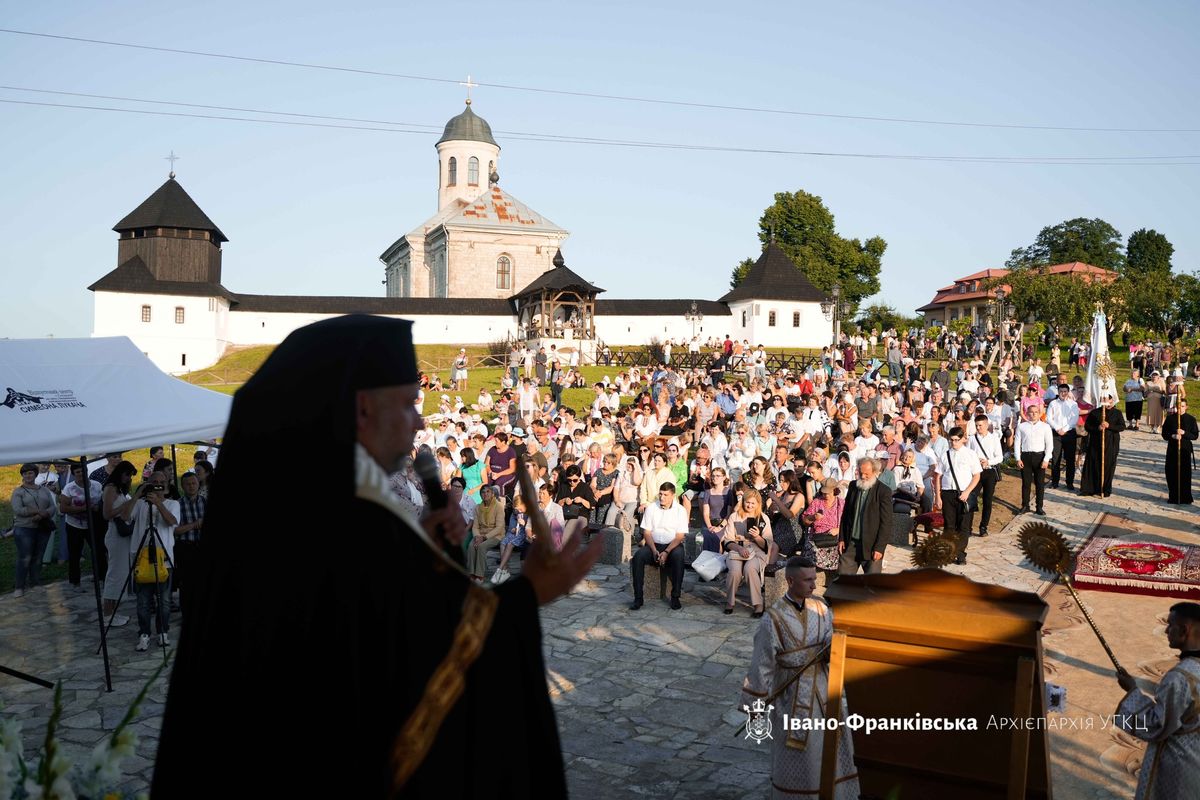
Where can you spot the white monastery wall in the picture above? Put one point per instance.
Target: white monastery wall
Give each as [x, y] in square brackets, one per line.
[175, 347]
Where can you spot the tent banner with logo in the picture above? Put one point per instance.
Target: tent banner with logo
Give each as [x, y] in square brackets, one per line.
[63, 398]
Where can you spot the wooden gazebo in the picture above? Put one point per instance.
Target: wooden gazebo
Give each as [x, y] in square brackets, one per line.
[558, 304]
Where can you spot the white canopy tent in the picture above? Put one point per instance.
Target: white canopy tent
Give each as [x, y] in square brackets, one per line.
[70, 397]
[66, 398]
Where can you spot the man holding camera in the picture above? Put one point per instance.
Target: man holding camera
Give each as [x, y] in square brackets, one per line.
[154, 520]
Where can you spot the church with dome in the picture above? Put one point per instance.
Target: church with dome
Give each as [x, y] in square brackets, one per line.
[482, 242]
[486, 267]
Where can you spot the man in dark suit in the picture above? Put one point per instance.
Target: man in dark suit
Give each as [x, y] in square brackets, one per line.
[866, 525]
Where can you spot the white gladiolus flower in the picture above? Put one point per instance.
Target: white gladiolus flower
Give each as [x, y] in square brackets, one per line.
[62, 789]
[8, 767]
[127, 742]
[10, 736]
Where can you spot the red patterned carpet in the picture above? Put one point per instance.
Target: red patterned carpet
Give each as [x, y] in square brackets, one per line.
[1122, 555]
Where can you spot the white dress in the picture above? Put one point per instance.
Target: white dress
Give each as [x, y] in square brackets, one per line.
[120, 559]
[1169, 722]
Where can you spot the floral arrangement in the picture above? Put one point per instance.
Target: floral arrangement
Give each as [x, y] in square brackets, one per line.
[55, 777]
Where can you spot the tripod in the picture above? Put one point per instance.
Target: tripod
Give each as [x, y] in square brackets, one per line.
[160, 566]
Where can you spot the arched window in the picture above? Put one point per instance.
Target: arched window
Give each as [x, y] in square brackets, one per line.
[452, 172]
[503, 272]
[473, 172]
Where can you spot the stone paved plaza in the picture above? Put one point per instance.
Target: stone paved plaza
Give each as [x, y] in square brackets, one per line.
[646, 700]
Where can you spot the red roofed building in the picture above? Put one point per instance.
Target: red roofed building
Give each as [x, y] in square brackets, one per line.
[968, 298]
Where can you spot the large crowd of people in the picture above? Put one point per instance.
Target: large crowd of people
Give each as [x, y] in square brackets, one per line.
[762, 465]
[758, 465]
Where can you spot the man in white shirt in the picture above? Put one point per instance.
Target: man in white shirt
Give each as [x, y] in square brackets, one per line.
[1062, 415]
[72, 503]
[663, 527]
[960, 476]
[814, 420]
[986, 445]
[997, 418]
[1035, 443]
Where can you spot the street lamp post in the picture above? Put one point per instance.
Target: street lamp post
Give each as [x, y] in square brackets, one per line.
[834, 309]
[694, 316]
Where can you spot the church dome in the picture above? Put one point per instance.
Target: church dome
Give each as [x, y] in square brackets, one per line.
[468, 127]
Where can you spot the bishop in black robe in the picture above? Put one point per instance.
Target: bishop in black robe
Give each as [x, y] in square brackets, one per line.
[1179, 455]
[1097, 478]
[301, 659]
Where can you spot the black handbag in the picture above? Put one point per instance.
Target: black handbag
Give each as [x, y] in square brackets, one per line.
[824, 540]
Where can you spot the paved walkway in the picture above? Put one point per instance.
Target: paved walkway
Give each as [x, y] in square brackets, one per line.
[646, 700]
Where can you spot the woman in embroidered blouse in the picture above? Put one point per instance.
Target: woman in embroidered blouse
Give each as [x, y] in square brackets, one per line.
[655, 476]
[824, 514]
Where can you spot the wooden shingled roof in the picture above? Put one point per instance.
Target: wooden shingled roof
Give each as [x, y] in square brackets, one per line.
[170, 207]
[134, 277]
[558, 279]
[775, 277]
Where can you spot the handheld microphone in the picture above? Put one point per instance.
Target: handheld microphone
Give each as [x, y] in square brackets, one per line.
[425, 465]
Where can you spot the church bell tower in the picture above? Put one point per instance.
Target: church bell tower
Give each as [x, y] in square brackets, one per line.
[467, 158]
[172, 236]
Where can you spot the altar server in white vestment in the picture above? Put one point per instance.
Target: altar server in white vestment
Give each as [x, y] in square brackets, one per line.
[794, 636]
[1169, 722]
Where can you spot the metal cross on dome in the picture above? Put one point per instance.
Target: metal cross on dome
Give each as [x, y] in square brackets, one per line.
[469, 86]
[172, 158]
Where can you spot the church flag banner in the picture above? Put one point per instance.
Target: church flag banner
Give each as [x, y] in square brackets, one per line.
[1101, 375]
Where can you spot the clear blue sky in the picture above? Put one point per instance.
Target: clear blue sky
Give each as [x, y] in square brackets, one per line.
[308, 210]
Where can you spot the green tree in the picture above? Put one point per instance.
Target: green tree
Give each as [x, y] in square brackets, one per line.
[804, 229]
[1148, 252]
[1188, 286]
[882, 316]
[1065, 301]
[960, 326]
[1151, 300]
[1092, 241]
[740, 272]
